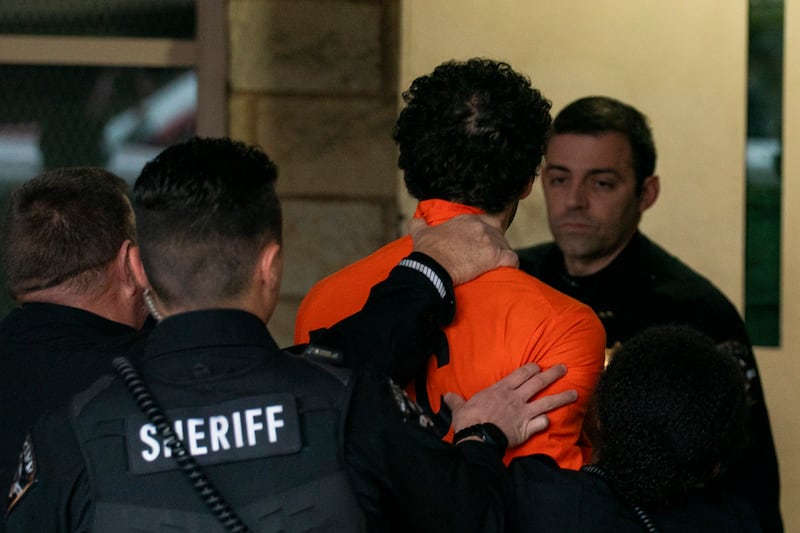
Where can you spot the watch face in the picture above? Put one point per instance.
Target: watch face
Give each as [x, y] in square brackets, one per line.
[495, 435]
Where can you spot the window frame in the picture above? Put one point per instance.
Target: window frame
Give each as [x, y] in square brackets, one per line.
[207, 53]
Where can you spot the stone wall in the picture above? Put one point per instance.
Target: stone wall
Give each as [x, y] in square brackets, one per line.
[314, 82]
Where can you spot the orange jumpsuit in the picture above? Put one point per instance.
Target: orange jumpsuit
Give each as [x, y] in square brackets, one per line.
[504, 319]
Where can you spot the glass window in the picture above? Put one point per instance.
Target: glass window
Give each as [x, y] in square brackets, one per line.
[99, 18]
[764, 146]
[116, 117]
[64, 104]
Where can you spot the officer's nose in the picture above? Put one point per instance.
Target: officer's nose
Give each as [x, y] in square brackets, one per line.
[576, 196]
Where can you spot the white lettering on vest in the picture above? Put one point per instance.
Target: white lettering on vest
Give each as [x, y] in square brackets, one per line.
[147, 435]
[237, 429]
[252, 426]
[194, 436]
[192, 431]
[218, 433]
[272, 423]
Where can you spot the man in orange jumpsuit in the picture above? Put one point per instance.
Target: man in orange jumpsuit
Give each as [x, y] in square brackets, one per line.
[471, 139]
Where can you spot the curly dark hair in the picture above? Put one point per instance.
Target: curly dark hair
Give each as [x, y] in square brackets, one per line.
[672, 412]
[204, 210]
[472, 132]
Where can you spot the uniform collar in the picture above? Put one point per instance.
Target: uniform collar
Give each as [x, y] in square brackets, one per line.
[437, 211]
[47, 319]
[208, 328]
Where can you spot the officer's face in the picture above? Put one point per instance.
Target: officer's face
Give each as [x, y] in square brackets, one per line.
[590, 190]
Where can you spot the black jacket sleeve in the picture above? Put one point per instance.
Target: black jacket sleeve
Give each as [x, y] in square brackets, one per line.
[396, 330]
[55, 495]
[406, 479]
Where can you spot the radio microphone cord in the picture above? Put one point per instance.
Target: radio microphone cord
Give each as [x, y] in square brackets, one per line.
[208, 492]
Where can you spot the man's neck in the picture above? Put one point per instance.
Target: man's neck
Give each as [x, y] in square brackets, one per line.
[249, 302]
[99, 304]
[580, 267]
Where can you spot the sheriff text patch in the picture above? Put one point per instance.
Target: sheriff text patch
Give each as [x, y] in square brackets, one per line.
[222, 433]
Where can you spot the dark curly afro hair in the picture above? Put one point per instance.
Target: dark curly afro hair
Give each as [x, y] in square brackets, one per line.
[472, 132]
[672, 412]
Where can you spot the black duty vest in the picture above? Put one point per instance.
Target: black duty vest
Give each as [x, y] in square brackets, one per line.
[277, 457]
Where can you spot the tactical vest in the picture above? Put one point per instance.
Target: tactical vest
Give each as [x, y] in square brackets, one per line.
[276, 457]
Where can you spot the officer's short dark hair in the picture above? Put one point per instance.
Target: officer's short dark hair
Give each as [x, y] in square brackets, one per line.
[205, 209]
[595, 115]
[62, 227]
[671, 409]
[471, 132]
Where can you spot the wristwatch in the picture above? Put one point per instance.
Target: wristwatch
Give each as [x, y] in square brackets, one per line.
[487, 433]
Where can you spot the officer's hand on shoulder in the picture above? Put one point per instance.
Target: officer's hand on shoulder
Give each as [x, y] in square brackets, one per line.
[466, 246]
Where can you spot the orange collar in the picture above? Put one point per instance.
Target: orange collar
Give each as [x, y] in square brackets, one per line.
[437, 211]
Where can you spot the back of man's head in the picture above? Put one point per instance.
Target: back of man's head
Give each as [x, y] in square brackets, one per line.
[205, 209]
[472, 132]
[595, 115]
[671, 410]
[61, 229]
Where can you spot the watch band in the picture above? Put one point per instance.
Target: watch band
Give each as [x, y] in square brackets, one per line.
[487, 432]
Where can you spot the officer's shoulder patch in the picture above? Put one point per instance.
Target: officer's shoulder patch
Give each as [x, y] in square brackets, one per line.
[25, 476]
[328, 359]
[410, 410]
[324, 354]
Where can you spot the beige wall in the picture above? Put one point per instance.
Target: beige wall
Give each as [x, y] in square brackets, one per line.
[676, 61]
[684, 64]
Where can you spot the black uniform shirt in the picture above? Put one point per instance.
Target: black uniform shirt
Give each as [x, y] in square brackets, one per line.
[641, 287]
[553, 500]
[48, 353]
[646, 286]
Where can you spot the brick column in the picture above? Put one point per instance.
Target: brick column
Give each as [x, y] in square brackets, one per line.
[313, 82]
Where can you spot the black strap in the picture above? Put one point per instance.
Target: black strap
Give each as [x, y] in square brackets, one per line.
[202, 484]
[644, 518]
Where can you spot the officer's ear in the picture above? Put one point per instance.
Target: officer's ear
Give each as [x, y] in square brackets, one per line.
[268, 273]
[136, 268]
[122, 268]
[650, 189]
[270, 266]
